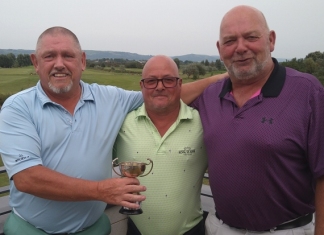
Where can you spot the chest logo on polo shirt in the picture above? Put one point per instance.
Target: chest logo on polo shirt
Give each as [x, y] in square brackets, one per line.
[187, 151]
[267, 120]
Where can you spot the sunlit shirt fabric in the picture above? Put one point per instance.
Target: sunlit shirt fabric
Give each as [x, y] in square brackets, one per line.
[264, 157]
[36, 131]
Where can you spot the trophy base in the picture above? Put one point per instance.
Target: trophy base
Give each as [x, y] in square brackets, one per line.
[130, 211]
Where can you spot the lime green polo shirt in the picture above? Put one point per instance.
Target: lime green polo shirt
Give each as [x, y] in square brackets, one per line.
[172, 204]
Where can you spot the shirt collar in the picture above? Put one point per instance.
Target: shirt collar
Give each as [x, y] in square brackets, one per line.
[184, 112]
[271, 88]
[85, 95]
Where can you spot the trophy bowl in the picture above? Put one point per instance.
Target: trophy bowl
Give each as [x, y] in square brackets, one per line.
[131, 169]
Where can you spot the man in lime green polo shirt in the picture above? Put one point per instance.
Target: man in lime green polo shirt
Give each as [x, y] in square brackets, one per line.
[169, 132]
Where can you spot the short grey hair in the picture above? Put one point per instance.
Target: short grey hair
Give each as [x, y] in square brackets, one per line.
[56, 30]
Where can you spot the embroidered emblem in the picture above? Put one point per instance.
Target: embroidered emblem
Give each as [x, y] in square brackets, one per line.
[21, 158]
[187, 151]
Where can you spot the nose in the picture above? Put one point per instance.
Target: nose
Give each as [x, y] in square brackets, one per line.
[241, 46]
[160, 85]
[59, 63]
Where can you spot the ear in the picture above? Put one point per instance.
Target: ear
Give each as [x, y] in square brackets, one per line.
[180, 82]
[272, 40]
[34, 61]
[218, 48]
[84, 61]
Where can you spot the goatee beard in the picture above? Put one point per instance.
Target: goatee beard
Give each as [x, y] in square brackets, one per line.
[60, 90]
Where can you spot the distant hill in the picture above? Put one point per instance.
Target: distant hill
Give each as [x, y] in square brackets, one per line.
[15, 51]
[93, 55]
[196, 58]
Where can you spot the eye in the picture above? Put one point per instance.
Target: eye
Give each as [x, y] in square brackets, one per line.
[168, 80]
[229, 41]
[252, 38]
[150, 81]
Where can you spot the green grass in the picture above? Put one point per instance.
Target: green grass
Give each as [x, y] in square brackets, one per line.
[16, 79]
[13, 80]
[127, 81]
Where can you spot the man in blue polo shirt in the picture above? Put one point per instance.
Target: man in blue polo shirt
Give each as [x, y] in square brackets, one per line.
[56, 143]
[55, 139]
[264, 135]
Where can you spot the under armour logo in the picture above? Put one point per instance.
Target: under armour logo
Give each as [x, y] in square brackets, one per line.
[270, 120]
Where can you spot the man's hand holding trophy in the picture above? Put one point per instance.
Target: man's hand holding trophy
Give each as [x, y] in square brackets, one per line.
[132, 170]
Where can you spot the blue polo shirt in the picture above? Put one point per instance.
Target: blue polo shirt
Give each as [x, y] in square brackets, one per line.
[265, 156]
[36, 131]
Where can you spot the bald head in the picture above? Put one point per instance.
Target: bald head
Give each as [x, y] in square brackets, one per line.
[239, 15]
[164, 95]
[55, 31]
[161, 62]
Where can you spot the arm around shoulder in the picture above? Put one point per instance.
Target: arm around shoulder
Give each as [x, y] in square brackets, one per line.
[190, 91]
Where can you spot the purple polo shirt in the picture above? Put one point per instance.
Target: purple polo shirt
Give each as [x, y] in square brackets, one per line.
[264, 157]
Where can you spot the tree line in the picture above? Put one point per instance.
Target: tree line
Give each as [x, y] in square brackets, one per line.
[191, 69]
[11, 61]
[313, 63]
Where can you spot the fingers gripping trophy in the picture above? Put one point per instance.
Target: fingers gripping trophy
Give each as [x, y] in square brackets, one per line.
[131, 169]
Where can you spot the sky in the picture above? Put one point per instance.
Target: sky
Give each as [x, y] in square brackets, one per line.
[151, 27]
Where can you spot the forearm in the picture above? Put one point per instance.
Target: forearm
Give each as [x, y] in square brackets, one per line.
[46, 183]
[319, 206]
[190, 91]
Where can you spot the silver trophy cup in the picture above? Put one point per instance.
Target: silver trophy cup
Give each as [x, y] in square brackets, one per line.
[132, 170]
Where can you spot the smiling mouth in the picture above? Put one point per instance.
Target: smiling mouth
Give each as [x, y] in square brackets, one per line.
[242, 60]
[59, 75]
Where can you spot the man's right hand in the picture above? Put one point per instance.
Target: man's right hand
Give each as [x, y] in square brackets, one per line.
[121, 191]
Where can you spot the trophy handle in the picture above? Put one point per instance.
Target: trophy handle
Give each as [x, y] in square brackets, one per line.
[114, 165]
[151, 162]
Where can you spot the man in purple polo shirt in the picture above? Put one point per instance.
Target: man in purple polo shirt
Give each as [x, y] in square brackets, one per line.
[264, 136]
